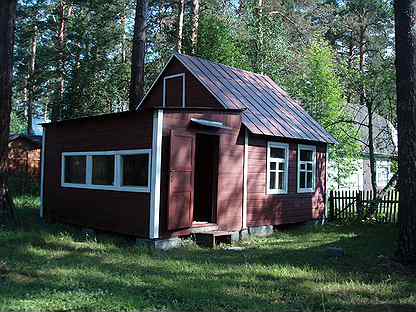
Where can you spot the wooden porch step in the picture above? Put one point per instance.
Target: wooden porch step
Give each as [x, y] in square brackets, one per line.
[213, 238]
[196, 228]
[202, 228]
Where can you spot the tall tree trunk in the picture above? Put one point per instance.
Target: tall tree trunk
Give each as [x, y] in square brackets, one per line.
[64, 12]
[7, 27]
[31, 82]
[181, 10]
[123, 38]
[195, 24]
[369, 107]
[259, 40]
[371, 150]
[405, 29]
[137, 56]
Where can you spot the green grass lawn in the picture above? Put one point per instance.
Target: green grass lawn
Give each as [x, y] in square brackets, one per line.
[55, 268]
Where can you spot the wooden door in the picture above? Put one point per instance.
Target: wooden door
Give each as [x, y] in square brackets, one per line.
[181, 180]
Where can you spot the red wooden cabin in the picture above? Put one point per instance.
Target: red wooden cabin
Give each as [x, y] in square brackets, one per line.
[209, 144]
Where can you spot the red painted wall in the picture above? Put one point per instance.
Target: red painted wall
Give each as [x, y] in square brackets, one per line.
[122, 212]
[196, 95]
[231, 155]
[276, 209]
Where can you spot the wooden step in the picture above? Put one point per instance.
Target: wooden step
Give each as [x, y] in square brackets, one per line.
[196, 228]
[213, 238]
[202, 228]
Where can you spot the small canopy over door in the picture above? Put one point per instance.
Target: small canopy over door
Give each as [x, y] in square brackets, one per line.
[181, 180]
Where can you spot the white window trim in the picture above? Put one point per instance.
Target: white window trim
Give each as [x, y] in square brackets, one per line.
[156, 174]
[117, 171]
[313, 149]
[286, 176]
[42, 173]
[379, 165]
[183, 87]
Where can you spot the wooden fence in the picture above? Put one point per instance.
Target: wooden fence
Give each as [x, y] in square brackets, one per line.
[344, 205]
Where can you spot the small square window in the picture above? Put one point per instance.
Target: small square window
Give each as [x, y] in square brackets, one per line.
[103, 170]
[306, 155]
[75, 168]
[277, 153]
[135, 170]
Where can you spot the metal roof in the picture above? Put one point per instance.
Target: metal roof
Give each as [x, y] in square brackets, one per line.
[37, 139]
[268, 108]
[384, 132]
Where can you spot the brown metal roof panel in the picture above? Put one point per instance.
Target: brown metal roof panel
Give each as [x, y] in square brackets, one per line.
[304, 114]
[251, 100]
[297, 121]
[261, 123]
[273, 110]
[246, 99]
[303, 118]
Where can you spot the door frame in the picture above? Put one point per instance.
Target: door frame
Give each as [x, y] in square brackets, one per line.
[214, 189]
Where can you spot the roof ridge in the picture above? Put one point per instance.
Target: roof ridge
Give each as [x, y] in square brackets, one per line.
[221, 64]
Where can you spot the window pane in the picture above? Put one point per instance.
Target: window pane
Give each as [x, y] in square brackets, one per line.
[309, 167]
[272, 166]
[103, 169]
[173, 92]
[302, 166]
[306, 155]
[75, 169]
[302, 180]
[135, 170]
[281, 180]
[276, 152]
[281, 166]
[272, 180]
[309, 180]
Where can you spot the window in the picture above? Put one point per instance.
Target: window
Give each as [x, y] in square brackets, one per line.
[174, 90]
[383, 172]
[75, 169]
[277, 168]
[306, 168]
[103, 169]
[135, 170]
[125, 170]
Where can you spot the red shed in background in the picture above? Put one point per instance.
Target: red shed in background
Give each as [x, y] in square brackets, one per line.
[209, 146]
[24, 161]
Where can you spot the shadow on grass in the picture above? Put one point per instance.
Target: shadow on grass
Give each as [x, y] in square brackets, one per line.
[287, 272]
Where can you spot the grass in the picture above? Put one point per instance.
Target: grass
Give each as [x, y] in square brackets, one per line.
[56, 268]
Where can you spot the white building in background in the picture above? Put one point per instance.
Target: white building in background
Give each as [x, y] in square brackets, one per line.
[385, 137]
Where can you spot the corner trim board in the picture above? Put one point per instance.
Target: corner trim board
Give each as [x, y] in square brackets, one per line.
[42, 173]
[245, 178]
[156, 173]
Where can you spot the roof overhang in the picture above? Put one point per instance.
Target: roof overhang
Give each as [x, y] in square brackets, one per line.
[209, 123]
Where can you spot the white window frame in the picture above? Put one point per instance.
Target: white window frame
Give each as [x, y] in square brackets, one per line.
[118, 172]
[311, 148]
[380, 164]
[183, 87]
[278, 160]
